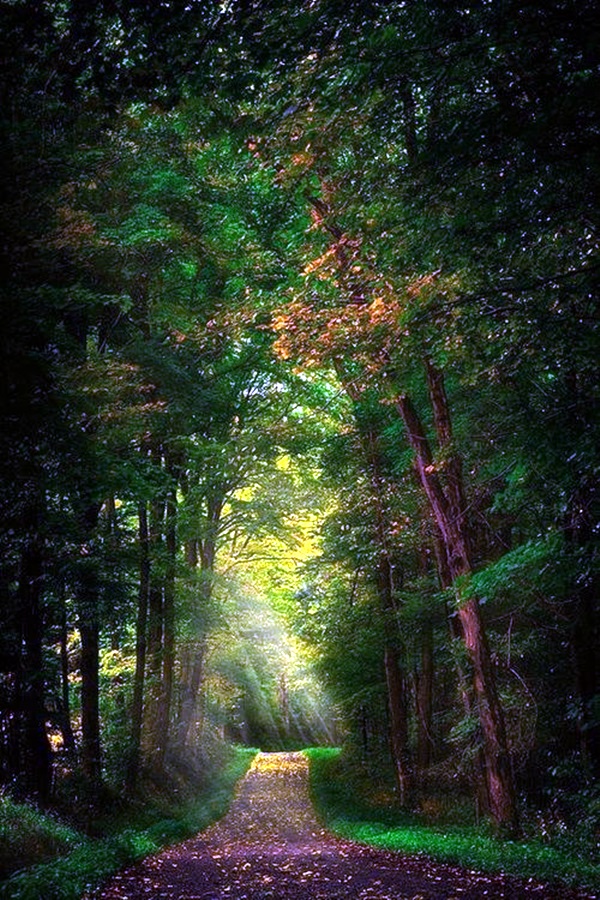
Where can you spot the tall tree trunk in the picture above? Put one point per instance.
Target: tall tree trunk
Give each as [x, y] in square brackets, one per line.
[284, 703]
[191, 655]
[396, 681]
[91, 762]
[498, 768]
[398, 710]
[585, 650]
[202, 552]
[36, 757]
[89, 630]
[191, 553]
[137, 703]
[168, 654]
[364, 730]
[152, 738]
[449, 511]
[205, 554]
[452, 462]
[66, 728]
[397, 688]
[424, 699]
[465, 685]
[191, 681]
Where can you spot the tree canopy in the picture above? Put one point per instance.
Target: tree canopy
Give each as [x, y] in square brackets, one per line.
[300, 391]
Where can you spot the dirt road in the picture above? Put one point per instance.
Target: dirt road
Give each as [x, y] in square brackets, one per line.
[270, 846]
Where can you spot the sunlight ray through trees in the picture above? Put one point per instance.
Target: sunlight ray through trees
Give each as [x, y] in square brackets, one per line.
[299, 399]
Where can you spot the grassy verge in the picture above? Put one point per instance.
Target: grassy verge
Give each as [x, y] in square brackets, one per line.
[28, 836]
[471, 847]
[87, 862]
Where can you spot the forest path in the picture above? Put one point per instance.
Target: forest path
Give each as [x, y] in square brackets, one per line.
[271, 845]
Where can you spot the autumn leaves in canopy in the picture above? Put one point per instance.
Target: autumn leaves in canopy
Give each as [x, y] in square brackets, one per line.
[356, 237]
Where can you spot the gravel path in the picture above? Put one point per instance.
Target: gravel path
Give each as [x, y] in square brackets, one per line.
[270, 846]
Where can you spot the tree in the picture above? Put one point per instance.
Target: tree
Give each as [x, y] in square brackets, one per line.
[396, 191]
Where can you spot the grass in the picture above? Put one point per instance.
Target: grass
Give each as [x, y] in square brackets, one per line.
[89, 861]
[471, 847]
[28, 836]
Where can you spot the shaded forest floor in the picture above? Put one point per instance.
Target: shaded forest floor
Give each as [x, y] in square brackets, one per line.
[271, 845]
[44, 854]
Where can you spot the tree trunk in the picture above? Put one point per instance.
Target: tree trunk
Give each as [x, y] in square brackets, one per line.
[204, 553]
[585, 648]
[152, 738]
[398, 710]
[397, 687]
[364, 730]
[396, 681]
[191, 681]
[191, 553]
[498, 769]
[449, 511]
[36, 756]
[198, 551]
[89, 630]
[284, 704]
[465, 687]
[137, 703]
[66, 728]
[168, 650]
[90, 707]
[452, 463]
[424, 698]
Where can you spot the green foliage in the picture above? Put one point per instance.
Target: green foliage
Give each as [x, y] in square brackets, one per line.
[160, 212]
[335, 797]
[534, 567]
[340, 791]
[569, 821]
[343, 620]
[95, 860]
[28, 836]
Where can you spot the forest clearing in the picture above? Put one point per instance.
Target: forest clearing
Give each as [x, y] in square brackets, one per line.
[300, 426]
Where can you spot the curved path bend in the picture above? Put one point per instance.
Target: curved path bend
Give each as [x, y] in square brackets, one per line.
[270, 846]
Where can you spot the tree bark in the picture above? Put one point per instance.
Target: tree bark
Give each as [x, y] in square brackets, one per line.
[89, 630]
[152, 739]
[137, 703]
[202, 552]
[424, 698]
[396, 681]
[66, 728]
[36, 756]
[449, 510]
[498, 769]
[398, 710]
[451, 463]
[91, 762]
[168, 649]
[465, 686]
[190, 687]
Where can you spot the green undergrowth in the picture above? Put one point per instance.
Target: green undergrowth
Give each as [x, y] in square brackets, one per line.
[28, 836]
[338, 804]
[85, 862]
